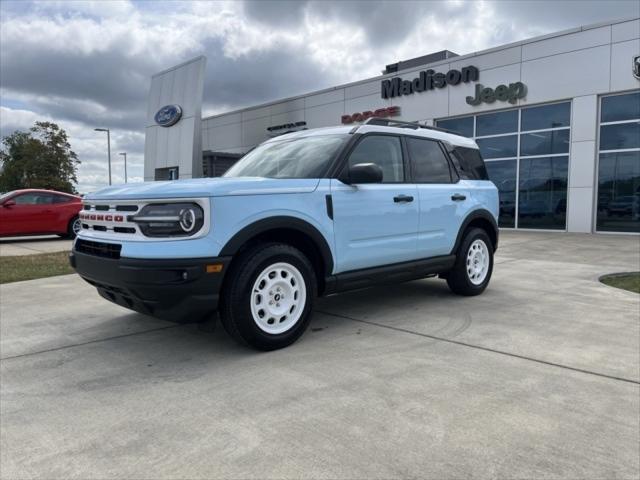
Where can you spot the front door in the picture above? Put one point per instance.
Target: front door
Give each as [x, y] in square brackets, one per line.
[375, 224]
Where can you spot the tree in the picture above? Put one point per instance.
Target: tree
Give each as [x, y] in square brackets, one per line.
[40, 158]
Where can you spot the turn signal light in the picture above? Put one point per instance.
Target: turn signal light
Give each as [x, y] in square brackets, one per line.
[214, 268]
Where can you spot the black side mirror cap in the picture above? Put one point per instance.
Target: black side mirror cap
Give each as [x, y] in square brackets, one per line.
[365, 173]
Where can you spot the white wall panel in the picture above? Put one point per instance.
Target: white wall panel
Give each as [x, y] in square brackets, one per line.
[580, 209]
[149, 153]
[255, 131]
[420, 105]
[225, 136]
[584, 112]
[495, 59]
[324, 98]
[362, 89]
[567, 75]
[180, 144]
[225, 119]
[566, 43]
[625, 31]
[621, 60]
[361, 104]
[324, 115]
[256, 113]
[289, 117]
[288, 106]
[582, 164]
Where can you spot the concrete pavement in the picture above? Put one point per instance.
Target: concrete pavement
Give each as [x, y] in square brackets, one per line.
[13, 246]
[538, 377]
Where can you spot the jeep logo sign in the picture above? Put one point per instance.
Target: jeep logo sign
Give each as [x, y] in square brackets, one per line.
[502, 93]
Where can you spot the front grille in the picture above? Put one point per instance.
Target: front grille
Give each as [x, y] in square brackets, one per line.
[109, 218]
[99, 249]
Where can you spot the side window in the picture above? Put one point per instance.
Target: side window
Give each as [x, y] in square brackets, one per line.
[383, 150]
[469, 162]
[429, 163]
[26, 199]
[61, 199]
[34, 199]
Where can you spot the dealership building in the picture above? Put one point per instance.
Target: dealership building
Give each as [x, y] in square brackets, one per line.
[557, 119]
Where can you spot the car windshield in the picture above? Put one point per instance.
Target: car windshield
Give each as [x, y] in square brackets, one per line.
[4, 196]
[306, 157]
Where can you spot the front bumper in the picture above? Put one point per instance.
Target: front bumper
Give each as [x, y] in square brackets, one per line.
[176, 290]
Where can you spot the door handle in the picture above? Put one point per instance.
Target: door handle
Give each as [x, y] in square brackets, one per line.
[403, 199]
[458, 198]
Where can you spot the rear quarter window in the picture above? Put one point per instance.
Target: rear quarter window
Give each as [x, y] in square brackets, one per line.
[469, 163]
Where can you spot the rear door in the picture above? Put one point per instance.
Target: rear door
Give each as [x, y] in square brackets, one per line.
[64, 208]
[375, 224]
[443, 199]
[32, 213]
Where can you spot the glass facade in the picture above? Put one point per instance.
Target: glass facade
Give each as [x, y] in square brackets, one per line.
[618, 202]
[527, 157]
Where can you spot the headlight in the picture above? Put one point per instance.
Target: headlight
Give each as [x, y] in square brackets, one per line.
[169, 219]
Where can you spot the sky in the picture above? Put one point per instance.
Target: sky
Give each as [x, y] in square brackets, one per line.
[87, 64]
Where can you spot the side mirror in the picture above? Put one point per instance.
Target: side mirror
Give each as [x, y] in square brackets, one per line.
[365, 173]
[9, 203]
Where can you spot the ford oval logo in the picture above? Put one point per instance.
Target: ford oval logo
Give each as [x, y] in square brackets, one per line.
[168, 115]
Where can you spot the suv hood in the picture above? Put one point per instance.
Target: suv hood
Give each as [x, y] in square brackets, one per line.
[206, 187]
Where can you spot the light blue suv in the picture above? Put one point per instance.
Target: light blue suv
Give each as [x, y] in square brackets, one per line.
[309, 213]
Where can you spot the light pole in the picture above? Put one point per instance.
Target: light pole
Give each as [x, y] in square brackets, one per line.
[108, 147]
[125, 165]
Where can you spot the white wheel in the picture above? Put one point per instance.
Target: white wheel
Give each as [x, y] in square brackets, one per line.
[278, 298]
[477, 262]
[77, 226]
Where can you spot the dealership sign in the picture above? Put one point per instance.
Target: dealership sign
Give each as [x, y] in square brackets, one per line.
[276, 130]
[361, 117]
[428, 80]
[168, 115]
[502, 93]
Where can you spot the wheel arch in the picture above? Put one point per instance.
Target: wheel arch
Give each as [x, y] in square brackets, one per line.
[481, 219]
[290, 230]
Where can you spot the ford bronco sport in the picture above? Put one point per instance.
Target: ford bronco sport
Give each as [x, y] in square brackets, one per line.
[309, 213]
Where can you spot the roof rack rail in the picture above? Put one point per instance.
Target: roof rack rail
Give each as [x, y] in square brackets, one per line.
[387, 122]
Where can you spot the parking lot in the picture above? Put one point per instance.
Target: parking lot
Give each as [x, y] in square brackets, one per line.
[537, 378]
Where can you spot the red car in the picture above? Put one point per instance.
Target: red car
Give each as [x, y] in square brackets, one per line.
[33, 212]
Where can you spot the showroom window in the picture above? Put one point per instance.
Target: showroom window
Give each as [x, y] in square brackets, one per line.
[618, 202]
[526, 152]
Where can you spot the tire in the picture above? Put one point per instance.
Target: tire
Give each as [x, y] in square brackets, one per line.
[474, 264]
[73, 228]
[268, 296]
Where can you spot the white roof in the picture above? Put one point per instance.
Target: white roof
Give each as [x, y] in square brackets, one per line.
[418, 132]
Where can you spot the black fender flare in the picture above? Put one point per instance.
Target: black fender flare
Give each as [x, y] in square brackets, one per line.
[236, 242]
[480, 214]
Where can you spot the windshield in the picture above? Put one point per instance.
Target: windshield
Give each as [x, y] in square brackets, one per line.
[4, 196]
[306, 157]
